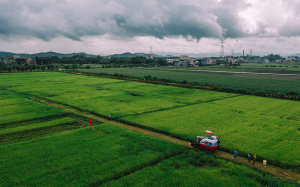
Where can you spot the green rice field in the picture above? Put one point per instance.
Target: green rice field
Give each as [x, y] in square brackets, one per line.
[218, 79]
[44, 145]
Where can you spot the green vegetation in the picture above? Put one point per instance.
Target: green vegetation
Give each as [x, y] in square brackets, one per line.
[108, 96]
[211, 78]
[250, 127]
[196, 169]
[36, 128]
[251, 124]
[80, 157]
[15, 108]
[61, 121]
[44, 145]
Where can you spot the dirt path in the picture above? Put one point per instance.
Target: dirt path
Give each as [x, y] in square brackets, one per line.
[279, 172]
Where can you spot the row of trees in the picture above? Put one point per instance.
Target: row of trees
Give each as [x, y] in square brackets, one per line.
[83, 59]
[78, 59]
[11, 67]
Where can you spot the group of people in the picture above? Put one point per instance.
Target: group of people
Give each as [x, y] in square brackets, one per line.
[254, 158]
[236, 152]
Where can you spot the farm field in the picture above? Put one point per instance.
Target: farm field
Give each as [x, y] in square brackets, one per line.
[211, 78]
[182, 112]
[288, 68]
[15, 108]
[83, 157]
[107, 96]
[195, 168]
[251, 131]
[22, 118]
[240, 121]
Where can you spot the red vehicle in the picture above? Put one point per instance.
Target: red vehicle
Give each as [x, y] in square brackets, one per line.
[211, 142]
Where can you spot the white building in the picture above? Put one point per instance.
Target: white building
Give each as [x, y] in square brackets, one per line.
[266, 60]
[184, 57]
[149, 56]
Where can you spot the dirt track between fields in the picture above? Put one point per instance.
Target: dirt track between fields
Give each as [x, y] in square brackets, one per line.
[276, 171]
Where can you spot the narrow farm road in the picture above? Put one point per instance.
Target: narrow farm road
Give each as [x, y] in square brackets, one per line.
[276, 171]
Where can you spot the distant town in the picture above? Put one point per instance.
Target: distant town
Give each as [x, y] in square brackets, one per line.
[144, 59]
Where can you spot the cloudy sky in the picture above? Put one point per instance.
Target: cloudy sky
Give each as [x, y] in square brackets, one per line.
[181, 26]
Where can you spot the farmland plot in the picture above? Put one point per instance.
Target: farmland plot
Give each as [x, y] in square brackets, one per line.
[108, 96]
[251, 124]
[196, 169]
[62, 156]
[267, 135]
[210, 78]
[18, 109]
[80, 157]
[33, 129]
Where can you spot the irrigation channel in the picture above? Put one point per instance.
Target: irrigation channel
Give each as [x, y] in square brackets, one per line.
[276, 171]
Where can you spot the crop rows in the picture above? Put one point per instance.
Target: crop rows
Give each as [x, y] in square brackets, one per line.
[30, 131]
[80, 157]
[249, 131]
[195, 169]
[61, 151]
[213, 79]
[112, 97]
[251, 124]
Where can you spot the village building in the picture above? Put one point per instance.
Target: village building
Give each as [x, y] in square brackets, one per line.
[149, 56]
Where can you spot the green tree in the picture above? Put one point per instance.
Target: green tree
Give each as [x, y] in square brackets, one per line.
[74, 66]
[33, 67]
[18, 68]
[43, 67]
[162, 61]
[26, 66]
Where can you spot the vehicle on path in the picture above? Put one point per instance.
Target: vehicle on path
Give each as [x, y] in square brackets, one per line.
[211, 142]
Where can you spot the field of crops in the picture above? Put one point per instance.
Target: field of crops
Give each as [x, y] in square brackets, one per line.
[50, 144]
[210, 78]
[197, 169]
[108, 96]
[255, 129]
[18, 109]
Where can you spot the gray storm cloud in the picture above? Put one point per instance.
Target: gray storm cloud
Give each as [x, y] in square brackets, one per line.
[126, 18]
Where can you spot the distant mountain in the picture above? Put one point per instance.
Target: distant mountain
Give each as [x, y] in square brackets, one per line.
[297, 54]
[132, 55]
[4, 54]
[43, 54]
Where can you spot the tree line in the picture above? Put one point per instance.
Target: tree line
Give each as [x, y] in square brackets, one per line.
[83, 59]
[12, 67]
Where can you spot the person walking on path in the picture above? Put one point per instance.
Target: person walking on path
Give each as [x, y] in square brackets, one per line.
[254, 159]
[249, 157]
[235, 153]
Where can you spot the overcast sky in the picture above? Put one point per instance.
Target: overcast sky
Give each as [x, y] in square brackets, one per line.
[181, 26]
